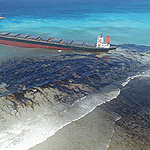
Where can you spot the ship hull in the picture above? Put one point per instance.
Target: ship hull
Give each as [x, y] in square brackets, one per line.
[12, 41]
[30, 45]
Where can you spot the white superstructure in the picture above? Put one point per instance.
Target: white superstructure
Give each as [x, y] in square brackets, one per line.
[101, 43]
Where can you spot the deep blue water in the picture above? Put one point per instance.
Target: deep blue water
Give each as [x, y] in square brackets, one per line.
[126, 22]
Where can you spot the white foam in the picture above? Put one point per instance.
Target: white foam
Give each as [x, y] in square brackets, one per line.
[143, 74]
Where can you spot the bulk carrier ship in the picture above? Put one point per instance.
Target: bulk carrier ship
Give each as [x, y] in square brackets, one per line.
[27, 41]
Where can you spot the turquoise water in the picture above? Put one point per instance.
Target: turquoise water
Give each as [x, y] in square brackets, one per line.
[125, 22]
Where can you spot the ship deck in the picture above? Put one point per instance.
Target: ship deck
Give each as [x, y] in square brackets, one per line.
[46, 40]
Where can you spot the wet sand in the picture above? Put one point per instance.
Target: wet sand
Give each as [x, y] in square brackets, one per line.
[122, 140]
[95, 131]
[92, 132]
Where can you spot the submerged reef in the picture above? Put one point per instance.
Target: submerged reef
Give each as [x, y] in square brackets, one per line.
[2, 17]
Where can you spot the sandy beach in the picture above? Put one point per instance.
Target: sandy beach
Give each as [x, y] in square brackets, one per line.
[100, 130]
[92, 132]
[95, 131]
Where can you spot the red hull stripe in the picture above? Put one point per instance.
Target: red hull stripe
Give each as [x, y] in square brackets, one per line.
[30, 45]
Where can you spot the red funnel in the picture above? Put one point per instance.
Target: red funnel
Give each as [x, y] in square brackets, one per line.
[107, 40]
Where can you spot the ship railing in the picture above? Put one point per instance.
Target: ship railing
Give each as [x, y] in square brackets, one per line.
[14, 34]
[33, 37]
[45, 39]
[55, 40]
[77, 43]
[66, 42]
[48, 39]
[5, 33]
[82, 44]
[23, 36]
[89, 44]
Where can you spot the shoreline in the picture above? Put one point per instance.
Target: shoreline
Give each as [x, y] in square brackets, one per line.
[84, 133]
[101, 130]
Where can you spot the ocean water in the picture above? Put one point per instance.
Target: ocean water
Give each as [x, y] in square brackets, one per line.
[126, 22]
[42, 91]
